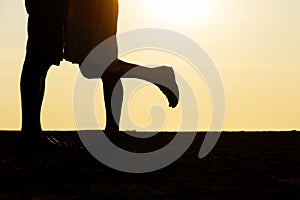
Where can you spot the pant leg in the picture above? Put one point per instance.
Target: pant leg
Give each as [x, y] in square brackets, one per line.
[46, 24]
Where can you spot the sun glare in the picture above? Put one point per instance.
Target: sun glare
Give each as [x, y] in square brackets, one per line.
[182, 11]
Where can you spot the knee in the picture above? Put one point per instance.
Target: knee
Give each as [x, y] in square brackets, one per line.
[35, 67]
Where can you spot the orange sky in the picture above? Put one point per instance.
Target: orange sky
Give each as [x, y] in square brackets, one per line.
[254, 44]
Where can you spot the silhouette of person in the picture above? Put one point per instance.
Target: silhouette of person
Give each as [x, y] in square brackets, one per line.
[70, 29]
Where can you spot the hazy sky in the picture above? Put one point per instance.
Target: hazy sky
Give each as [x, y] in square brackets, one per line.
[254, 44]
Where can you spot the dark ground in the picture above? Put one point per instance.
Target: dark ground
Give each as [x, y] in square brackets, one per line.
[242, 165]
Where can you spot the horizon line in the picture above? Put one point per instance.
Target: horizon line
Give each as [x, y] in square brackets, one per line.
[164, 131]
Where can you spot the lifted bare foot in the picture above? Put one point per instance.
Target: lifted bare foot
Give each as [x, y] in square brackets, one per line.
[167, 84]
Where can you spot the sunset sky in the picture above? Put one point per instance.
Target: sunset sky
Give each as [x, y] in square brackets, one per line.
[255, 45]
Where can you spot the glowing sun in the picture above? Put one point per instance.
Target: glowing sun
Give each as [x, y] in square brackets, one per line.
[181, 11]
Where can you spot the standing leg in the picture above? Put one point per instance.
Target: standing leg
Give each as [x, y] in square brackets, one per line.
[32, 93]
[113, 106]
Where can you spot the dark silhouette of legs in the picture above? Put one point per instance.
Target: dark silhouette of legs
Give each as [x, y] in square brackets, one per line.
[112, 82]
[33, 86]
[163, 77]
[32, 93]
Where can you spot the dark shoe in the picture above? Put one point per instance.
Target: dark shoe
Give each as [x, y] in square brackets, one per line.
[114, 137]
[38, 143]
[111, 127]
[167, 84]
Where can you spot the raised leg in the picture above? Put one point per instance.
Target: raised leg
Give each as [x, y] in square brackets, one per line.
[163, 77]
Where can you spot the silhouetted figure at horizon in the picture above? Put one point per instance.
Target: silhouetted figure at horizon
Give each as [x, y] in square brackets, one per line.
[70, 29]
